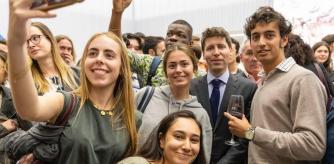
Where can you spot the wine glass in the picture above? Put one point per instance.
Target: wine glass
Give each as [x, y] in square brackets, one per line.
[236, 109]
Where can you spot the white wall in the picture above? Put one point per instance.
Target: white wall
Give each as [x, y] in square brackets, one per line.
[230, 14]
[151, 17]
[311, 21]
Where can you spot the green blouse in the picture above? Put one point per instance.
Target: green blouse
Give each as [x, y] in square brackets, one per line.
[91, 138]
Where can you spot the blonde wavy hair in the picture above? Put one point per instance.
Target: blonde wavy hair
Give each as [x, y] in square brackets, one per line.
[123, 92]
[65, 72]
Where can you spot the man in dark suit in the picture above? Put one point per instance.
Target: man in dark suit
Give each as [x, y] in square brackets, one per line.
[219, 84]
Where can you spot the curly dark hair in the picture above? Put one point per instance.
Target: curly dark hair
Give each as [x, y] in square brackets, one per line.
[267, 15]
[299, 50]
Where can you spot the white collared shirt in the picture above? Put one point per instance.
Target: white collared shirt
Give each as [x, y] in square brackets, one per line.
[224, 78]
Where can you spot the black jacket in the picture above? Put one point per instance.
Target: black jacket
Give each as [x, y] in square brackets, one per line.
[236, 85]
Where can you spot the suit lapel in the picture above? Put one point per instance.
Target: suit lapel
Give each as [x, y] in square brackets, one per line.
[231, 87]
[204, 93]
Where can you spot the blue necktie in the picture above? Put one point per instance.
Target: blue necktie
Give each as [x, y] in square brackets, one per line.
[214, 99]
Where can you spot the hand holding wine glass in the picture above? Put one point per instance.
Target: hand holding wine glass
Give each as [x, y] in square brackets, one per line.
[236, 109]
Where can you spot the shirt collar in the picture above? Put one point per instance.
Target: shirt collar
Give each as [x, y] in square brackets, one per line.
[286, 65]
[224, 77]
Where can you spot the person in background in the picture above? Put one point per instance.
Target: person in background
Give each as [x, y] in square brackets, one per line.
[196, 41]
[9, 120]
[3, 44]
[198, 51]
[66, 48]
[179, 65]
[141, 36]
[154, 45]
[252, 67]
[133, 43]
[102, 125]
[3, 68]
[288, 112]
[232, 62]
[322, 53]
[179, 31]
[329, 39]
[49, 70]
[177, 139]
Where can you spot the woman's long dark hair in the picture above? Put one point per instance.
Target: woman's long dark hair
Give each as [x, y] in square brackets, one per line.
[151, 150]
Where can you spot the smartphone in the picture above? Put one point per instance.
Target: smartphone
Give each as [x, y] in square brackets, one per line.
[46, 5]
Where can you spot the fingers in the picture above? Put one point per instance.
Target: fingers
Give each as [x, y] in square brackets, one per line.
[68, 56]
[229, 116]
[10, 125]
[243, 117]
[13, 122]
[121, 5]
[22, 10]
[42, 14]
[27, 159]
[28, 13]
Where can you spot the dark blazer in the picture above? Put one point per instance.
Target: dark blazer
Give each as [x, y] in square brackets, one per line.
[7, 109]
[236, 85]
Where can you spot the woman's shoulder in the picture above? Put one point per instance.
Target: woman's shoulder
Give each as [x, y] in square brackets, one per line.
[70, 107]
[134, 160]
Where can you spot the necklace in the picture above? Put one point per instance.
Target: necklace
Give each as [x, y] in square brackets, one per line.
[104, 112]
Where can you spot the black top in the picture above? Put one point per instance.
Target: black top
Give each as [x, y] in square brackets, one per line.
[312, 68]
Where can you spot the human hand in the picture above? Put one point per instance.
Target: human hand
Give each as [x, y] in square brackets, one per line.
[10, 125]
[27, 159]
[20, 10]
[68, 58]
[121, 5]
[238, 127]
[19, 15]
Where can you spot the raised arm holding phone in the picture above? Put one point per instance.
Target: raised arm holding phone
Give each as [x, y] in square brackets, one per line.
[102, 123]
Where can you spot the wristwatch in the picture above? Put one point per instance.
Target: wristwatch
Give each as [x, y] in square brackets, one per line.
[250, 133]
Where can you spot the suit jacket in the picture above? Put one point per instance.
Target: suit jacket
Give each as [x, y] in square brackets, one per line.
[236, 85]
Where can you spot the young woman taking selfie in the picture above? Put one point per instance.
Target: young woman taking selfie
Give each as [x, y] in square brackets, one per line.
[102, 125]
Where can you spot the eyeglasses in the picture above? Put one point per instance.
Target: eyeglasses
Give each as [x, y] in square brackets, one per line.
[35, 39]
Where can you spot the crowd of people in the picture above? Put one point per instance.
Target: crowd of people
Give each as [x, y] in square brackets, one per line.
[136, 99]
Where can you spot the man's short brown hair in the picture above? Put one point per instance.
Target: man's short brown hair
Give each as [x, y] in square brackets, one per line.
[215, 32]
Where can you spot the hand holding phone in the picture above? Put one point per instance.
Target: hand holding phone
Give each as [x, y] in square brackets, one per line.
[46, 5]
